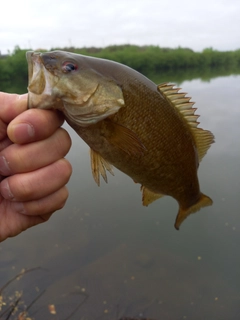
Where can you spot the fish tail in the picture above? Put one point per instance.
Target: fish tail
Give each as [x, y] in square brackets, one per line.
[203, 201]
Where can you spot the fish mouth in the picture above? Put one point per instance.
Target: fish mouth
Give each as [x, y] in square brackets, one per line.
[36, 78]
[82, 104]
[40, 83]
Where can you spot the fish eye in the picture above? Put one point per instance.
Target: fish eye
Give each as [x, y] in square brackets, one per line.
[69, 66]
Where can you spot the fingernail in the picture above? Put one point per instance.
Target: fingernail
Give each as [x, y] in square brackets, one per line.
[23, 131]
[6, 191]
[18, 207]
[23, 96]
[4, 166]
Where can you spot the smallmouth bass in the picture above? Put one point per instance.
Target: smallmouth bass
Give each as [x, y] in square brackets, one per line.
[149, 132]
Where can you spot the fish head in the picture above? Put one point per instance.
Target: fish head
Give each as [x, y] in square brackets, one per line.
[68, 82]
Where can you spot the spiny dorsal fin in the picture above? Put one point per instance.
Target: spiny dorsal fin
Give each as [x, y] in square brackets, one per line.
[202, 138]
[99, 166]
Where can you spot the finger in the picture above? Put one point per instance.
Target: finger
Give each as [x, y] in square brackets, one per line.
[37, 184]
[3, 129]
[43, 208]
[21, 216]
[11, 105]
[28, 157]
[4, 143]
[34, 125]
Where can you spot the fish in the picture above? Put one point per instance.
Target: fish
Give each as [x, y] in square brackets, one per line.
[149, 132]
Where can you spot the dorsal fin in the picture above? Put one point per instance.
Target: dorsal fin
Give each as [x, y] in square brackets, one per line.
[202, 138]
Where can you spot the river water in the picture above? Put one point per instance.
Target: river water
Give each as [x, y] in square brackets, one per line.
[121, 259]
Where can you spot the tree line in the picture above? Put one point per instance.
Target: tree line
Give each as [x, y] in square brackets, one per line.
[149, 60]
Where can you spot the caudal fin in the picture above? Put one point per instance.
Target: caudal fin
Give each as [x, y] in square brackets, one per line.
[204, 201]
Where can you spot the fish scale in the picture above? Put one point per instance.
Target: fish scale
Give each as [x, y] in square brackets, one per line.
[147, 131]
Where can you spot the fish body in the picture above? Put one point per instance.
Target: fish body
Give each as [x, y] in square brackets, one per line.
[147, 131]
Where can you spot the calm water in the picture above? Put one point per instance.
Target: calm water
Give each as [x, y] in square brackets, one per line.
[129, 260]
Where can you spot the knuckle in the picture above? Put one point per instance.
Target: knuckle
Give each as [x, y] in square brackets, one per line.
[63, 141]
[63, 170]
[58, 144]
[59, 197]
[22, 187]
[67, 170]
[63, 198]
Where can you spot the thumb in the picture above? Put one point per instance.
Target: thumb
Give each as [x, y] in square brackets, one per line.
[11, 105]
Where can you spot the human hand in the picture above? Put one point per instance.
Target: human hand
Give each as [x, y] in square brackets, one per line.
[33, 172]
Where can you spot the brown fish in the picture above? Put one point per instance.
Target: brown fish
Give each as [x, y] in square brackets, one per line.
[147, 131]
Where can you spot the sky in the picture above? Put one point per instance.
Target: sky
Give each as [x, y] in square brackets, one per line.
[46, 24]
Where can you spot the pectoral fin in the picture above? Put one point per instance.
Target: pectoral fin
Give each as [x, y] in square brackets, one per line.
[125, 139]
[99, 166]
[148, 196]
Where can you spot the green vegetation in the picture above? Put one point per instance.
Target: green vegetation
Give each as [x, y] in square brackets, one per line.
[157, 63]
[14, 71]
[153, 59]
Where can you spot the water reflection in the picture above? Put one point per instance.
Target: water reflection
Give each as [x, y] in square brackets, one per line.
[129, 259]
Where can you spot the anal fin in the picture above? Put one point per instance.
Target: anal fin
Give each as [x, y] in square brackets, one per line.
[148, 196]
[99, 166]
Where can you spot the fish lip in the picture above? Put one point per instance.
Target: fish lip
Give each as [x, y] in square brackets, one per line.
[29, 55]
[34, 63]
[39, 83]
[32, 57]
[30, 73]
[35, 72]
